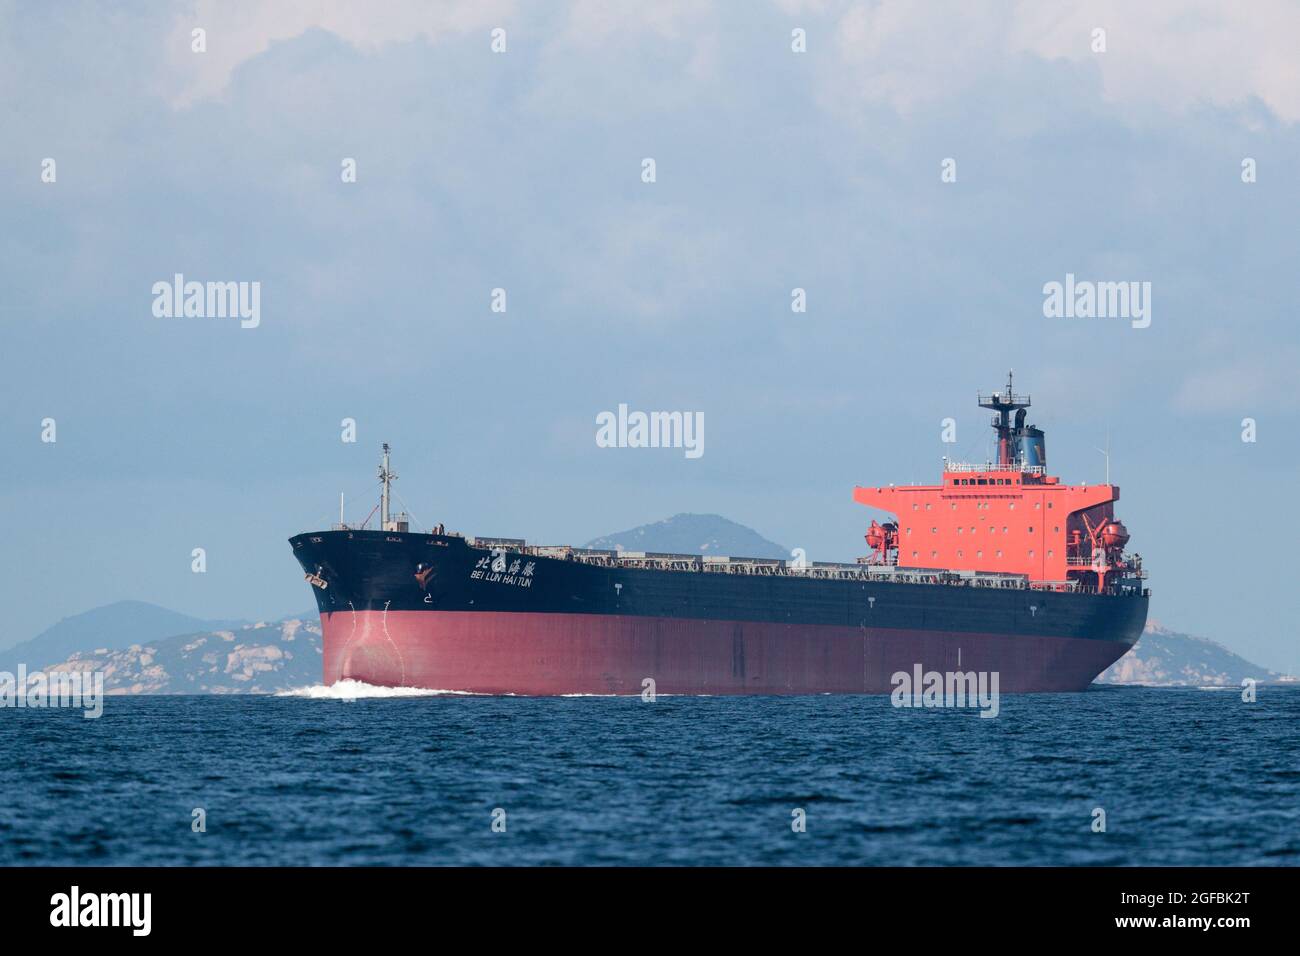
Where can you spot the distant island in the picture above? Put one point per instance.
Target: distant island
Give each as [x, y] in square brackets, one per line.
[1165, 658]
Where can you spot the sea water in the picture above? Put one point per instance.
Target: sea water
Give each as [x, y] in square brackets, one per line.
[357, 775]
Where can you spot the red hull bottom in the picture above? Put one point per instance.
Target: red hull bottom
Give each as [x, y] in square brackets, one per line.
[490, 652]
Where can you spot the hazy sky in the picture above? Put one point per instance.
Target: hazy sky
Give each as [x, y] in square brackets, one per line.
[522, 170]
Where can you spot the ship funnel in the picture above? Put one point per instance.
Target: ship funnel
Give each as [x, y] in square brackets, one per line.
[1033, 447]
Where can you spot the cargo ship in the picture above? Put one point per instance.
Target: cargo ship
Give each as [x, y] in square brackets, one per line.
[998, 568]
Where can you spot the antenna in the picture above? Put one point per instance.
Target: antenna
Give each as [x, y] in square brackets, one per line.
[342, 523]
[386, 476]
[1106, 451]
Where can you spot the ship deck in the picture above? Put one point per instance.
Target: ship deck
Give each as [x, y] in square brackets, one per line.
[827, 570]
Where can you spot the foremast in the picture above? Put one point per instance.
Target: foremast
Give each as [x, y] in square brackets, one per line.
[386, 477]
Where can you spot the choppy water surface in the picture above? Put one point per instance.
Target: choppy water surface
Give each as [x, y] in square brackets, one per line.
[1184, 776]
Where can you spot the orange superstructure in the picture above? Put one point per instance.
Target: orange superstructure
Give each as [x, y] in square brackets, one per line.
[1007, 516]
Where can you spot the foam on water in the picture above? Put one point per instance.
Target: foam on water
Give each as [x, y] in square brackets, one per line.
[348, 689]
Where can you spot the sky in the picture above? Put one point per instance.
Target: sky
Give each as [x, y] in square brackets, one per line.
[1113, 156]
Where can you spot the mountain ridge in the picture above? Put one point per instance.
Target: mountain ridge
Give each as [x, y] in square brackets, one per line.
[692, 533]
[110, 626]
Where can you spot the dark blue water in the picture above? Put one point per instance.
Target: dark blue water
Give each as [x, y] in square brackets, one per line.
[1184, 776]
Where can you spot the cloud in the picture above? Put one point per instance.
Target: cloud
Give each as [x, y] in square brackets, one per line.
[238, 30]
[1161, 55]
